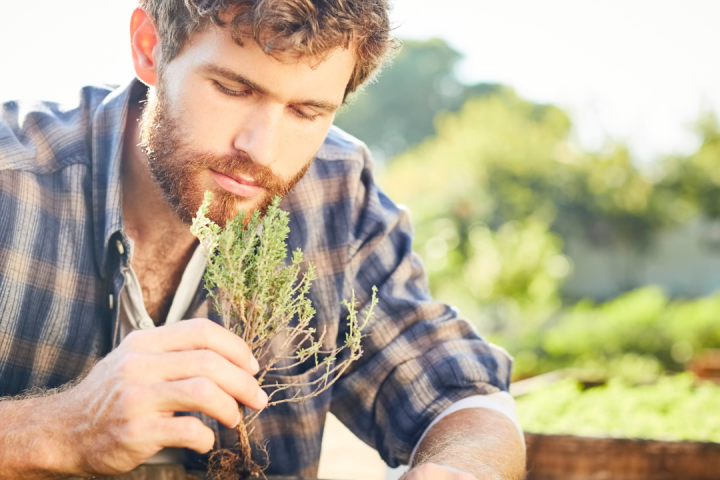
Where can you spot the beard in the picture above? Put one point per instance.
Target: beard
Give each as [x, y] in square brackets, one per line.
[178, 169]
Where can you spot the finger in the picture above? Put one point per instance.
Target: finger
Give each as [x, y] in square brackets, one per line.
[197, 395]
[182, 432]
[198, 333]
[233, 380]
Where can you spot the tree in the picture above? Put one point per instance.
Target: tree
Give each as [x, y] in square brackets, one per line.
[498, 188]
[693, 182]
[398, 110]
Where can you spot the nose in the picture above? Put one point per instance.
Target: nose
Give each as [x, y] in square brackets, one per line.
[259, 134]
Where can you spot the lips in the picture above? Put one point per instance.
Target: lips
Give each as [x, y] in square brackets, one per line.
[237, 184]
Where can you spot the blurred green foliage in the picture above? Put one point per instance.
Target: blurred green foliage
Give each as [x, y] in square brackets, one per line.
[637, 336]
[693, 182]
[675, 408]
[497, 189]
[397, 112]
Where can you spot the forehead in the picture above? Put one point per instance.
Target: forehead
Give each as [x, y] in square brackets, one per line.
[330, 72]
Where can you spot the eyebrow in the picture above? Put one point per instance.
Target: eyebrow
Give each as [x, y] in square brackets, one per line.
[329, 107]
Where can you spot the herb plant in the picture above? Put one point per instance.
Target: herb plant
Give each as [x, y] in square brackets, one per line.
[261, 299]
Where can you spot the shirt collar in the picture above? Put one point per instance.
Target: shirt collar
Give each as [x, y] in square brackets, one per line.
[108, 129]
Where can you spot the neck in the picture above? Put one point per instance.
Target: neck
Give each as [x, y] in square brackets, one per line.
[147, 216]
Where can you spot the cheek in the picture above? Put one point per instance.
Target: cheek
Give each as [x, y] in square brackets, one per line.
[206, 120]
[300, 146]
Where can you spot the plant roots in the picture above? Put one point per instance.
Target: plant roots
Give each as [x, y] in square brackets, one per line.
[227, 465]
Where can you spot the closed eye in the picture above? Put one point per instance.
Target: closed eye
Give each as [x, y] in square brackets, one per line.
[243, 93]
[304, 115]
[232, 93]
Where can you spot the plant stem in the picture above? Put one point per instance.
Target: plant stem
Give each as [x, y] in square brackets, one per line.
[245, 450]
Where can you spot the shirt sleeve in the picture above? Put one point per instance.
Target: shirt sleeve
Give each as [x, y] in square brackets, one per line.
[420, 356]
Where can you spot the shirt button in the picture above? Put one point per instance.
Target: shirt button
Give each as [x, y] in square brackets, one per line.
[111, 301]
[120, 247]
[145, 323]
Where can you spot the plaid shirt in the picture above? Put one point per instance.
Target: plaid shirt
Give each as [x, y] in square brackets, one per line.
[61, 218]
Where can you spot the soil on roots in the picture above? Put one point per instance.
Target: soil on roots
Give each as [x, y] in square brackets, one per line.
[227, 465]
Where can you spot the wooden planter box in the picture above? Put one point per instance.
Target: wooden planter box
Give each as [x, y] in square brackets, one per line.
[555, 457]
[169, 472]
[564, 457]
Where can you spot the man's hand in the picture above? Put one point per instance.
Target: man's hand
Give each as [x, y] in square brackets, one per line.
[432, 471]
[122, 413]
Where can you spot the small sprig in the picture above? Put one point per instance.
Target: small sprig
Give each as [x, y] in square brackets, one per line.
[261, 299]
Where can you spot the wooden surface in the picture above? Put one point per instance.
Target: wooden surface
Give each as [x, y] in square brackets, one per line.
[555, 457]
[169, 472]
[154, 472]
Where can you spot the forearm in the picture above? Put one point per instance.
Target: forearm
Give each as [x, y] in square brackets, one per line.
[478, 441]
[32, 441]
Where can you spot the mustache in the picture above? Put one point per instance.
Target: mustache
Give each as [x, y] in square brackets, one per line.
[239, 163]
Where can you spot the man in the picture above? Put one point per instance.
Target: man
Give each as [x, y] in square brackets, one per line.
[97, 265]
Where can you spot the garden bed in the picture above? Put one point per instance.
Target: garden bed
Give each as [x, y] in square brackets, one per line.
[666, 430]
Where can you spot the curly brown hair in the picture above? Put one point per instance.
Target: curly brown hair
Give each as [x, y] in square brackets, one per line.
[299, 28]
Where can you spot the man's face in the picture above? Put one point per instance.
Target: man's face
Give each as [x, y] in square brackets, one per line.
[237, 122]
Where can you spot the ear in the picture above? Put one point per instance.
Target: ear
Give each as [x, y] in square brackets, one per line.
[145, 45]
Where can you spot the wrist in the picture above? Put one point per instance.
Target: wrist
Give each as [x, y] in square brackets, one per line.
[63, 442]
[34, 439]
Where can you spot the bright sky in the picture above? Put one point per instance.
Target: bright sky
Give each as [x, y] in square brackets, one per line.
[634, 70]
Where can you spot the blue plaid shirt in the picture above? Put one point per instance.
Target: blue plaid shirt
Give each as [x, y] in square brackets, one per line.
[61, 218]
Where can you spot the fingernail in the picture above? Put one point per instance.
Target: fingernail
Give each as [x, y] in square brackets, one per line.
[254, 364]
[262, 396]
[239, 418]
